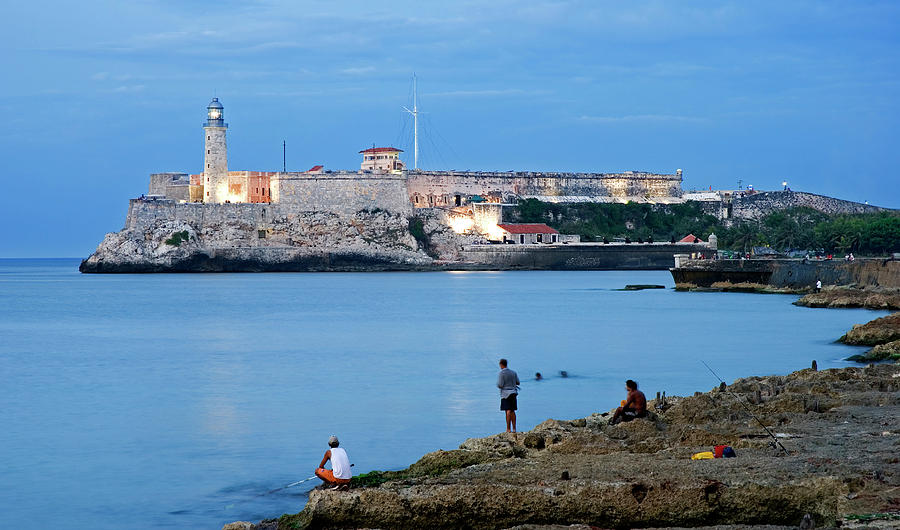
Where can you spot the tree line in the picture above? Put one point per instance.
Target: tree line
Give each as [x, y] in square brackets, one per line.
[800, 228]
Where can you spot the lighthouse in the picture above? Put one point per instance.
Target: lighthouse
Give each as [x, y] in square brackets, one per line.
[215, 166]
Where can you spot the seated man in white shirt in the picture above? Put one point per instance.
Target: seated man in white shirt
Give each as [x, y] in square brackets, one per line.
[339, 474]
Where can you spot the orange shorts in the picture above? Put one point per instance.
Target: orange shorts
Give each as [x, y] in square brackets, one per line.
[328, 476]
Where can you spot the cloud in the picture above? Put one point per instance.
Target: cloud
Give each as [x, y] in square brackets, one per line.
[484, 93]
[128, 88]
[358, 70]
[636, 118]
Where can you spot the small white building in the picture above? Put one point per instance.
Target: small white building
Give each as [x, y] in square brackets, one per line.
[528, 233]
[381, 159]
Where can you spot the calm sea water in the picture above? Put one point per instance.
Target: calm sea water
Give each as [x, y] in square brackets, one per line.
[174, 401]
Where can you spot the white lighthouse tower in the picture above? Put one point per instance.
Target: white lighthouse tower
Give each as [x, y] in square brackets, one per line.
[215, 166]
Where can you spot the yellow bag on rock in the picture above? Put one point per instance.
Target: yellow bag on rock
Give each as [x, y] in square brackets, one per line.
[703, 456]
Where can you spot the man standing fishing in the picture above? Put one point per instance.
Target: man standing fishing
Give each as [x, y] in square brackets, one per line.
[508, 383]
[339, 474]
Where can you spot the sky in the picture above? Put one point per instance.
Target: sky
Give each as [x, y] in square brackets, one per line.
[97, 95]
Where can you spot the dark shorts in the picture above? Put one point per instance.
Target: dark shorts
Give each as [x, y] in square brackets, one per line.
[629, 414]
[508, 403]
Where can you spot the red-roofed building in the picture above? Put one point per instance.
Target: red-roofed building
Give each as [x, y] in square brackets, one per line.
[690, 238]
[381, 159]
[528, 233]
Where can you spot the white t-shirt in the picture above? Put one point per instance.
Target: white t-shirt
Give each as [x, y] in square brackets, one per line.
[340, 463]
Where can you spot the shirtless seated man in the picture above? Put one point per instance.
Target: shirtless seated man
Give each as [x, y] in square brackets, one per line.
[635, 405]
[339, 474]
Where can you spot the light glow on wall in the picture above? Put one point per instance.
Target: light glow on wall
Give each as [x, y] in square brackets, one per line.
[461, 225]
[494, 233]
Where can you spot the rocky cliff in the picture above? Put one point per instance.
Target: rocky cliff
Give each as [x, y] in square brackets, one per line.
[252, 237]
[759, 205]
[839, 429]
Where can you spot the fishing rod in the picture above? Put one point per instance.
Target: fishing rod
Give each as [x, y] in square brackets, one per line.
[288, 486]
[292, 484]
[741, 401]
[228, 506]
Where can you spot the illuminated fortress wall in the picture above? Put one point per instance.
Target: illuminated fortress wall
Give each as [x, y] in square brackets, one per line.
[452, 188]
[337, 193]
[341, 192]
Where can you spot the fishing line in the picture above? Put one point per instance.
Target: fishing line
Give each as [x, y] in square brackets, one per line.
[292, 484]
[269, 492]
[741, 401]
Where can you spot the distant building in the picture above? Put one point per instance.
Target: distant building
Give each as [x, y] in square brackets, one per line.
[382, 159]
[530, 233]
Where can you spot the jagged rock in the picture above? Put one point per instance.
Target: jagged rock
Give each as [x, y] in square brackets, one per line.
[841, 297]
[534, 440]
[882, 352]
[879, 331]
[239, 525]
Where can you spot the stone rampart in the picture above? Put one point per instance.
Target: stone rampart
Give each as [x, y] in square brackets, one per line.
[452, 188]
[168, 184]
[341, 192]
[142, 214]
[758, 205]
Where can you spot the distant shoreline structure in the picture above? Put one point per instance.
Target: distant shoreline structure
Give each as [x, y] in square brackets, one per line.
[386, 217]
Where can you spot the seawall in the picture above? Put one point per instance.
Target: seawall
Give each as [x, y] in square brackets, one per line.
[579, 256]
[794, 274]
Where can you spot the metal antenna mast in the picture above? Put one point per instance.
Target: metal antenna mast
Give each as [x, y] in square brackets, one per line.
[415, 115]
[284, 156]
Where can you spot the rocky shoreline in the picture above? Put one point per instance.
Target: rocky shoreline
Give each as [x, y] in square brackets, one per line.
[847, 297]
[883, 334]
[841, 429]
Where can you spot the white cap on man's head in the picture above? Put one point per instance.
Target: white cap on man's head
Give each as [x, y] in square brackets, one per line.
[333, 440]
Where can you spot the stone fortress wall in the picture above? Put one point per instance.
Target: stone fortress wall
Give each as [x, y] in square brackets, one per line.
[337, 193]
[341, 192]
[172, 185]
[452, 188]
[348, 190]
[142, 213]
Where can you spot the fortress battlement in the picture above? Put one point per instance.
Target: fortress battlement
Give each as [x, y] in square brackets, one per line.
[638, 175]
